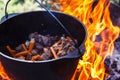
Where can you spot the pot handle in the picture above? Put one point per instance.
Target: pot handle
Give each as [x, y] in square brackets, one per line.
[57, 20]
[6, 13]
[60, 23]
[53, 16]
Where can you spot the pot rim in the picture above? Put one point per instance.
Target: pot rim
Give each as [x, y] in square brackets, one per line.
[28, 61]
[43, 61]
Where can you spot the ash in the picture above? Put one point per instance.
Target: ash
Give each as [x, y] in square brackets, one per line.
[112, 63]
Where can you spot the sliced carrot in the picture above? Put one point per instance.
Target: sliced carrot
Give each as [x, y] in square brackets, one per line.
[53, 52]
[31, 46]
[12, 52]
[22, 53]
[24, 47]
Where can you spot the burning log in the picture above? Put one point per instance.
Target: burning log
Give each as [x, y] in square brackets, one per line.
[112, 63]
[43, 47]
[113, 67]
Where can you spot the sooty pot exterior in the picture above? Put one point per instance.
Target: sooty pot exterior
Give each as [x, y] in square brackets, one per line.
[16, 30]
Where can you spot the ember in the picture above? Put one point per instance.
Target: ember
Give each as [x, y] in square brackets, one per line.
[43, 47]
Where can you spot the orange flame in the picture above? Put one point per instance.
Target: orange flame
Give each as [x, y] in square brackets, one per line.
[3, 74]
[98, 23]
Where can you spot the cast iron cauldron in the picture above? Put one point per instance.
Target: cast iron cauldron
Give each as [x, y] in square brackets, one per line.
[15, 31]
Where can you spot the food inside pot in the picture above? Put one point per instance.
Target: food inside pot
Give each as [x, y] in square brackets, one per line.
[41, 47]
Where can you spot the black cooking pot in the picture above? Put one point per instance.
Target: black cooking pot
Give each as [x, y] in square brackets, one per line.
[15, 31]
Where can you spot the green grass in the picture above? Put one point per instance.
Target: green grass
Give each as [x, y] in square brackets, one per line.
[28, 5]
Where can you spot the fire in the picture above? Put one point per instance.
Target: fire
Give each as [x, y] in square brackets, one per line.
[96, 18]
[3, 74]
